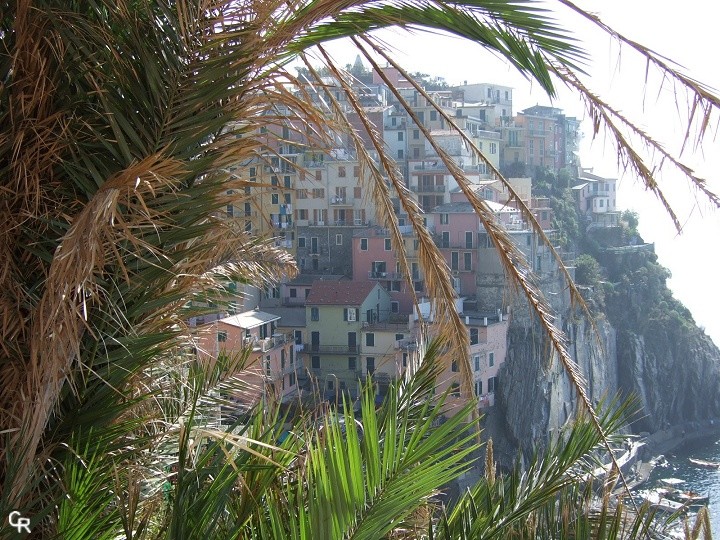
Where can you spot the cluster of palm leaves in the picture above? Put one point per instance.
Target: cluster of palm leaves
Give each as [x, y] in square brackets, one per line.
[122, 123]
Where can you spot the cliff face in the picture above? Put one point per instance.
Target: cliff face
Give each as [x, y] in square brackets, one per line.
[677, 381]
[536, 397]
[649, 347]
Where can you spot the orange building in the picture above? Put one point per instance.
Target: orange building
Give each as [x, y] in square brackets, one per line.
[272, 367]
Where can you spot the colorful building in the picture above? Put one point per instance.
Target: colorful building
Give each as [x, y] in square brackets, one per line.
[271, 369]
[336, 313]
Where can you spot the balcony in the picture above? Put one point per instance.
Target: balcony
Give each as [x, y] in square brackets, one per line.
[393, 276]
[312, 348]
[340, 201]
[428, 189]
[407, 344]
[268, 343]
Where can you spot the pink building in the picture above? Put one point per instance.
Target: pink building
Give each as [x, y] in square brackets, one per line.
[487, 333]
[271, 368]
[456, 228]
[375, 260]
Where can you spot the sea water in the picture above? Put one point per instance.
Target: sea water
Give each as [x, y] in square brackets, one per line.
[701, 480]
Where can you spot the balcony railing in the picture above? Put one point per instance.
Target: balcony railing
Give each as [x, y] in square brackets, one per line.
[386, 275]
[428, 189]
[340, 201]
[268, 343]
[314, 348]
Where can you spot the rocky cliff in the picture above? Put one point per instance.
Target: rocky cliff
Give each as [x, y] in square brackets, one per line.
[645, 344]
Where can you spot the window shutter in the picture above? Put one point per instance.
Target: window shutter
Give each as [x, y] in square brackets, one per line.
[345, 314]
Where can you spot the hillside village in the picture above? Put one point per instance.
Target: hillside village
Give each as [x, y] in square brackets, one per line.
[351, 311]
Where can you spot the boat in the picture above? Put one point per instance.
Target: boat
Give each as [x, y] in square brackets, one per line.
[704, 464]
[671, 489]
[655, 499]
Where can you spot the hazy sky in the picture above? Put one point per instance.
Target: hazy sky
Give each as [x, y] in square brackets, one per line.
[686, 32]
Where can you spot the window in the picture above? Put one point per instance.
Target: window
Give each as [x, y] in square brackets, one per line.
[400, 154]
[370, 363]
[421, 116]
[350, 314]
[476, 362]
[445, 239]
[298, 337]
[478, 388]
[315, 362]
[454, 367]
[338, 239]
[404, 359]
[467, 261]
[286, 181]
[222, 336]
[454, 260]
[314, 314]
[468, 239]
[318, 193]
[341, 172]
[444, 218]
[491, 359]
[363, 244]
[293, 292]
[356, 171]
[416, 133]
[493, 148]
[388, 245]
[301, 241]
[357, 192]
[433, 116]
[253, 172]
[492, 384]
[401, 135]
[394, 306]
[291, 379]
[286, 198]
[352, 363]
[230, 210]
[282, 358]
[275, 198]
[331, 384]
[318, 175]
[267, 366]
[474, 336]
[370, 339]
[301, 194]
[455, 390]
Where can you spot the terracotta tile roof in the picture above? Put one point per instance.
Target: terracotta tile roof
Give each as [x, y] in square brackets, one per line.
[339, 293]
